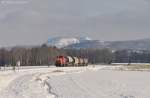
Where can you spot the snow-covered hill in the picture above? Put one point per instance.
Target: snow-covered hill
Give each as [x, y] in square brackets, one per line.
[61, 42]
[86, 42]
[141, 44]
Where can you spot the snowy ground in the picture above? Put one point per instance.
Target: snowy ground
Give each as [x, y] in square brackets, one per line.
[74, 82]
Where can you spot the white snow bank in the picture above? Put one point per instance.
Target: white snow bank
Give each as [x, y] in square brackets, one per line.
[28, 82]
[6, 78]
[75, 82]
[102, 84]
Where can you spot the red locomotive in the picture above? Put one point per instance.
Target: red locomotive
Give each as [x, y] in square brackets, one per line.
[66, 61]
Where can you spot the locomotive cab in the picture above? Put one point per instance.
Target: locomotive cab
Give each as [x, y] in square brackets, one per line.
[60, 61]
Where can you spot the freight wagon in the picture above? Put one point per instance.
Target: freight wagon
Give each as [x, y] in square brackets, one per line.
[66, 61]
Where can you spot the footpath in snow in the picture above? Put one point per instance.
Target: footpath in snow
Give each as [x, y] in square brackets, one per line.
[74, 82]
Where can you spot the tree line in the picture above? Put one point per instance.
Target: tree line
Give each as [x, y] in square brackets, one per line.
[94, 56]
[108, 56]
[132, 56]
[29, 56]
[44, 55]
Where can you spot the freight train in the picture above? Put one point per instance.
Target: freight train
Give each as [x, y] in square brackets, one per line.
[66, 61]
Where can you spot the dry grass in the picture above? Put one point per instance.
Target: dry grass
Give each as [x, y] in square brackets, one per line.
[137, 67]
[58, 71]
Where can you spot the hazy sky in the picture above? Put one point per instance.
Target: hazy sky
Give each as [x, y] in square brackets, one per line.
[33, 21]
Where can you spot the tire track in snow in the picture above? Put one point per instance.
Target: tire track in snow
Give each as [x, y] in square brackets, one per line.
[23, 87]
[43, 80]
[50, 88]
[26, 86]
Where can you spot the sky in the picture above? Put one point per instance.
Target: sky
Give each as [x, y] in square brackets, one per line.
[30, 22]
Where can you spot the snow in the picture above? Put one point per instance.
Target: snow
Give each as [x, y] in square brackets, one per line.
[74, 82]
[65, 42]
[61, 42]
[102, 84]
[5, 79]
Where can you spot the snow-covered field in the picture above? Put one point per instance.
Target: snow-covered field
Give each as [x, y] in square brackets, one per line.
[74, 82]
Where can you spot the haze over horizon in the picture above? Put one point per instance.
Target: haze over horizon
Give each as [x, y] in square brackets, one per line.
[30, 22]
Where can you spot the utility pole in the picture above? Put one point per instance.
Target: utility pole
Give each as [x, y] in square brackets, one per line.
[129, 57]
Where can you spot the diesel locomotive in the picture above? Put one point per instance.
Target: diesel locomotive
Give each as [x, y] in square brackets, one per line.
[66, 61]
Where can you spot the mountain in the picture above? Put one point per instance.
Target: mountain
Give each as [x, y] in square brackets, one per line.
[142, 44]
[89, 44]
[78, 43]
[62, 42]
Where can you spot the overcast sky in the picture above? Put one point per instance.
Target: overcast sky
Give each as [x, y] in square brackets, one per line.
[26, 22]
